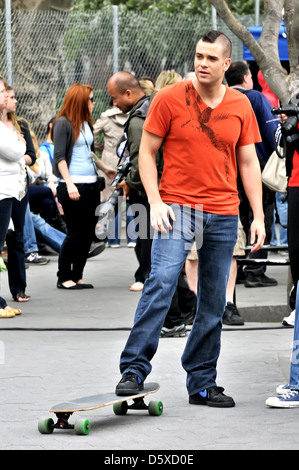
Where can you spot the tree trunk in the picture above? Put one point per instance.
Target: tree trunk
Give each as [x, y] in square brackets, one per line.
[265, 49]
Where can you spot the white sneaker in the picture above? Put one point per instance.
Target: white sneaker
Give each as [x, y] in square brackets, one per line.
[289, 399]
[290, 320]
[131, 244]
[35, 258]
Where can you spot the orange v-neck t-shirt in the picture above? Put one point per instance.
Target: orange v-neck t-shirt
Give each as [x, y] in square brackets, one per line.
[200, 145]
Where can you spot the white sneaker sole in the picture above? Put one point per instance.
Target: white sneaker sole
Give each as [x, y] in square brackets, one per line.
[277, 402]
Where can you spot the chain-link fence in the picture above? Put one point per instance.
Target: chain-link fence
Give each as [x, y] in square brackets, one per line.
[44, 53]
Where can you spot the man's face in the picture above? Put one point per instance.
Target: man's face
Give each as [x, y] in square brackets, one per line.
[122, 100]
[210, 62]
[91, 103]
[3, 96]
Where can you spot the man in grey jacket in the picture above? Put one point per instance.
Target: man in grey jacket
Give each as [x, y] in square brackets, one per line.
[128, 96]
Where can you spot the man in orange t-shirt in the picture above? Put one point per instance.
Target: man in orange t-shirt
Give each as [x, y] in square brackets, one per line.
[199, 147]
[200, 123]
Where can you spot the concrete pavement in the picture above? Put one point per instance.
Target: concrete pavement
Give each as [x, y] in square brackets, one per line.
[67, 345]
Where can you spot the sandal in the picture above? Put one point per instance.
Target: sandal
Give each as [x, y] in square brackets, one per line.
[4, 313]
[16, 311]
[21, 297]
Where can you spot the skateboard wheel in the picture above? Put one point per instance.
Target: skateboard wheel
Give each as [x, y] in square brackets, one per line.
[120, 408]
[155, 408]
[82, 427]
[46, 425]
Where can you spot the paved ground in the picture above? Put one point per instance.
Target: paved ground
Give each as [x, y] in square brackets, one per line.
[67, 344]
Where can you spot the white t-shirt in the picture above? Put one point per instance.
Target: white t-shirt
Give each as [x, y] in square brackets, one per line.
[12, 164]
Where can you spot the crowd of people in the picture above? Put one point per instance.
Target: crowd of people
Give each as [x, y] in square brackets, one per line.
[199, 142]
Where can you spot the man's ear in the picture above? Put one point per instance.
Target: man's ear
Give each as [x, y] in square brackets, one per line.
[128, 93]
[227, 63]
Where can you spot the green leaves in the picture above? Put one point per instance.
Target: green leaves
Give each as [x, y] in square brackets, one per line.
[169, 6]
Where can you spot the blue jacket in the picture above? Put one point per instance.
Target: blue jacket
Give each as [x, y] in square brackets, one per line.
[262, 109]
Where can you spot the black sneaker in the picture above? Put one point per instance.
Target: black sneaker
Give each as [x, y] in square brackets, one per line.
[96, 249]
[259, 281]
[212, 396]
[130, 384]
[231, 315]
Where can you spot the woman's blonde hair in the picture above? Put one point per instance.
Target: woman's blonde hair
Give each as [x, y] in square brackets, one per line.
[147, 86]
[167, 77]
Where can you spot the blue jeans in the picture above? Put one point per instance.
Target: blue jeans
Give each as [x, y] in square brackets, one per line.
[53, 237]
[35, 224]
[282, 211]
[30, 243]
[216, 236]
[294, 370]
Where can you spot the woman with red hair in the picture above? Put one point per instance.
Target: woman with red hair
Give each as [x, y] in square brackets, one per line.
[78, 191]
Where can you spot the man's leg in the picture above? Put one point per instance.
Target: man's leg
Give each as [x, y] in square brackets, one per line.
[30, 243]
[214, 258]
[168, 256]
[53, 237]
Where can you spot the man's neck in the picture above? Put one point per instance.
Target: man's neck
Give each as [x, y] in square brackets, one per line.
[211, 95]
[239, 86]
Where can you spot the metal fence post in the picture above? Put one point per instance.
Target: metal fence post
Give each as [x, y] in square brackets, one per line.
[8, 41]
[214, 17]
[115, 38]
[257, 12]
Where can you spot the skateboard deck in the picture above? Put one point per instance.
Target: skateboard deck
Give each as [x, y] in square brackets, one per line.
[120, 407]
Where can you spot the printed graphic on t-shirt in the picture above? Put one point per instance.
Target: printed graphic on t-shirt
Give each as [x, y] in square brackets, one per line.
[202, 121]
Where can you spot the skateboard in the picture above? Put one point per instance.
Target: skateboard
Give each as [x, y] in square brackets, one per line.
[120, 404]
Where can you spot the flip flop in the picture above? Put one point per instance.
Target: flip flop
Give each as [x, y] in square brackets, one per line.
[6, 314]
[21, 297]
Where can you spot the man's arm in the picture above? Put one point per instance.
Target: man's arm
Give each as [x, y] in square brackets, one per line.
[149, 146]
[252, 181]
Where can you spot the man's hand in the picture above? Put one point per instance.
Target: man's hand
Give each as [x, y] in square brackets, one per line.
[160, 217]
[257, 234]
[126, 189]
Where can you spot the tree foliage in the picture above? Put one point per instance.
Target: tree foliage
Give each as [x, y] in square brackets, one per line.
[169, 6]
[57, 5]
